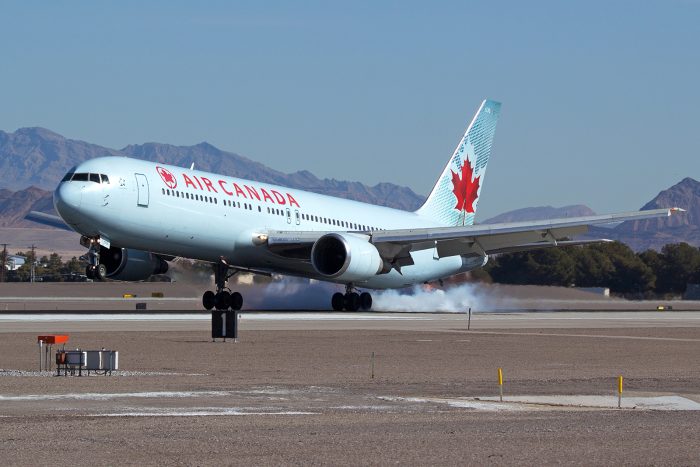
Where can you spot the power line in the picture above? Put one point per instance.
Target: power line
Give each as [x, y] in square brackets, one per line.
[3, 260]
[33, 265]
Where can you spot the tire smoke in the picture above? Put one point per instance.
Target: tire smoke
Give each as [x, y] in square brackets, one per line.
[291, 293]
[451, 299]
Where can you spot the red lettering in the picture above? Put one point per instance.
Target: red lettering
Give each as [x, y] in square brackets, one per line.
[292, 201]
[278, 196]
[221, 184]
[208, 184]
[266, 195]
[198, 182]
[252, 192]
[188, 181]
[239, 192]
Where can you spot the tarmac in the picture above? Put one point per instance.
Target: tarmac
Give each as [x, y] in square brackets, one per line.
[367, 388]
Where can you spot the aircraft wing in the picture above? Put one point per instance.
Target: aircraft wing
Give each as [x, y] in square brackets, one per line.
[395, 245]
[47, 219]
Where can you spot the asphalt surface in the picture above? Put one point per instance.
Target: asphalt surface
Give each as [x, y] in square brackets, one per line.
[298, 389]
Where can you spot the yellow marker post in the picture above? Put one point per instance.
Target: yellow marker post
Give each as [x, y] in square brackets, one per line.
[619, 392]
[500, 382]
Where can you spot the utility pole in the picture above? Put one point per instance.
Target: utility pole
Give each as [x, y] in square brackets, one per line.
[33, 265]
[3, 262]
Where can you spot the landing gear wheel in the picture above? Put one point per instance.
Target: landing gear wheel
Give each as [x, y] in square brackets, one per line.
[338, 301]
[208, 300]
[365, 301]
[352, 301]
[236, 301]
[222, 300]
[90, 271]
[101, 272]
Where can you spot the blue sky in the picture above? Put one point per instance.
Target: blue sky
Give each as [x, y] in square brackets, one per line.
[600, 98]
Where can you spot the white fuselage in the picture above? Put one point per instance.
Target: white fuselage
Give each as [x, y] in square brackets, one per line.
[188, 213]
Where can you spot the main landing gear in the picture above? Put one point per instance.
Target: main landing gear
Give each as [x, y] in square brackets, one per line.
[351, 300]
[223, 299]
[94, 270]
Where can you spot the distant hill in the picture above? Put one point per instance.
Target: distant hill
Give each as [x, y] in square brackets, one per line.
[655, 233]
[39, 157]
[14, 205]
[539, 213]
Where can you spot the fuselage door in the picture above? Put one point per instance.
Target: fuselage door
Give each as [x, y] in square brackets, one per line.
[142, 185]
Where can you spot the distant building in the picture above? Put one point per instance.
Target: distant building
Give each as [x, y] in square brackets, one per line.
[14, 262]
[604, 291]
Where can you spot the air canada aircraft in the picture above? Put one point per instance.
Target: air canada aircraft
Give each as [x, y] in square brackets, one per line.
[134, 216]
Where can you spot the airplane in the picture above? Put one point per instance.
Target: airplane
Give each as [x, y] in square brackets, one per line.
[134, 216]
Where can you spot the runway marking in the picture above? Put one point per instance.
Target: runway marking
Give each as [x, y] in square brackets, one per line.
[198, 413]
[206, 317]
[556, 402]
[598, 336]
[110, 396]
[606, 402]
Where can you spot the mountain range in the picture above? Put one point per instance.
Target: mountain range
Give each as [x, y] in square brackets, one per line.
[33, 160]
[39, 157]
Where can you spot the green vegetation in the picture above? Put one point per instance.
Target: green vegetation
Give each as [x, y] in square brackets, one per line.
[612, 265]
[47, 269]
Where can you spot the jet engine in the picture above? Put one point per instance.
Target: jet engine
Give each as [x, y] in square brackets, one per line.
[346, 257]
[131, 265]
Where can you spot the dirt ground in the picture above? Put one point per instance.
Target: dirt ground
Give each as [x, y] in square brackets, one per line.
[307, 397]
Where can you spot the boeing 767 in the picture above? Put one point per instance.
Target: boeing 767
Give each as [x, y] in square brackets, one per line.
[135, 215]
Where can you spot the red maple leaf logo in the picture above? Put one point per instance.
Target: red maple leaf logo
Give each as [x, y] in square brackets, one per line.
[465, 189]
[168, 177]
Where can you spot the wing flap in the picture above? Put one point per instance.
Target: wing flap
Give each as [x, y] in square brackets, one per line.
[395, 246]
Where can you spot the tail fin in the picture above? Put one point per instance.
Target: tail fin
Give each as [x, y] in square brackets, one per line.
[453, 199]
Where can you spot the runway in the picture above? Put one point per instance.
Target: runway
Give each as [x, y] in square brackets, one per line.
[370, 388]
[15, 322]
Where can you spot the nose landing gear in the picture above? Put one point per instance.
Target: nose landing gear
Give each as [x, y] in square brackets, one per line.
[223, 299]
[351, 301]
[95, 270]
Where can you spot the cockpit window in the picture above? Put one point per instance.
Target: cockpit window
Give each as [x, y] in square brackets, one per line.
[85, 177]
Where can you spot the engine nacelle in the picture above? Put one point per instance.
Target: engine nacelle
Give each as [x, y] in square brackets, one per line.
[346, 257]
[131, 265]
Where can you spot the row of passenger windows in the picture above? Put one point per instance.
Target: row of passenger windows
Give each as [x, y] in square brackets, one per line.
[273, 211]
[85, 177]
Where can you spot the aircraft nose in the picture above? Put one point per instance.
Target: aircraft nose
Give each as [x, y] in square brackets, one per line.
[67, 199]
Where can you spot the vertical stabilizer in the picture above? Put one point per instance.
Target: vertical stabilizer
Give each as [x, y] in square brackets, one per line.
[452, 202]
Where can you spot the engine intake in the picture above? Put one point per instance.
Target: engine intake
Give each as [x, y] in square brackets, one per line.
[131, 265]
[346, 257]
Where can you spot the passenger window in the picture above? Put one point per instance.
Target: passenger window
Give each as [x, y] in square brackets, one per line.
[105, 179]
